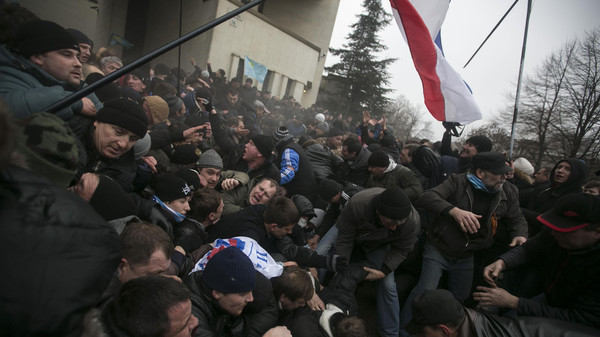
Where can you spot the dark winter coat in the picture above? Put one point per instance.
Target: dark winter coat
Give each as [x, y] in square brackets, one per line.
[61, 255]
[456, 191]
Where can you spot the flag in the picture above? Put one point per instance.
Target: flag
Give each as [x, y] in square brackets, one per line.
[447, 96]
[254, 69]
[118, 39]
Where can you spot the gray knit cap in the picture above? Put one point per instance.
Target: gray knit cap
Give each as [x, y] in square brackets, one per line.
[210, 158]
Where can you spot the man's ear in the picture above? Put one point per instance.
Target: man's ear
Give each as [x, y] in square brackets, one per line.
[445, 330]
[211, 216]
[37, 59]
[479, 173]
[95, 124]
[123, 264]
[217, 294]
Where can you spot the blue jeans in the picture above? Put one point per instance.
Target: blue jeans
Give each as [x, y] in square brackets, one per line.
[388, 308]
[460, 278]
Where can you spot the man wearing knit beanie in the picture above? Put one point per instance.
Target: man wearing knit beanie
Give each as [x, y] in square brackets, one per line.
[85, 44]
[475, 145]
[223, 288]
[109, 143]
[43, 70]
[384, 225]
[209, 167]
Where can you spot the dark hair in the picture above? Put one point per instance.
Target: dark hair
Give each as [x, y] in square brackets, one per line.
[353, 144]
[204, 202]
[379, 158]
[281, 211]
[233, 92]
[139, 240]
[294, 283]
[351, 327]
[142, 305]
[164, 89]
[411, 148]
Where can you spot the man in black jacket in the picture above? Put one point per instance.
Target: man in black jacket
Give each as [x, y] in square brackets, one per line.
[437, 313]
[569, 256]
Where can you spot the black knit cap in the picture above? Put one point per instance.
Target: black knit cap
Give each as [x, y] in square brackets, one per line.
[393, 203]
[39, 36]
[80, 37]
[171, 187]
[481, 143]
[111, 201]
[328, 188]
[433, 307]
[264, 144]
[185, 154]
[229, 271]
[379, 158]
[126, 114]
[191, 178]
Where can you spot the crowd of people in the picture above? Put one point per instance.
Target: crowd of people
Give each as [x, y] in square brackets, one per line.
[169, 203]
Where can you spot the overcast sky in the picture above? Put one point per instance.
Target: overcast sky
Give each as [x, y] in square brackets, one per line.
[493, 73]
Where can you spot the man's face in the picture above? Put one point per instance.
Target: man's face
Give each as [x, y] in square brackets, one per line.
[110, 67]
[493, 182]
[592, 190]
[232, 99]
[404, 157]
[389, 223]
[157, 264]
[262, 193]
[212, 176]
[347, 155]
[541, 176]
[250, 151]
[86, 186]
[233, 303]
[135, 83]
[181, 321]
[181, 205]
[61, 64]
[468, 151]
[577, 239]
[113, 141]
[377, 172]
[562, 172]
[334, 142]
[289, 305]
[218, 213]
[280, 232]
[85, 50]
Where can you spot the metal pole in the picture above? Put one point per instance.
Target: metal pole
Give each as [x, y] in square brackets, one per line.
[179, 47]
[146, 58]
[518, 94]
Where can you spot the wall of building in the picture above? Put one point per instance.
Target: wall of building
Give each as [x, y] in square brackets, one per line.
[313, 20]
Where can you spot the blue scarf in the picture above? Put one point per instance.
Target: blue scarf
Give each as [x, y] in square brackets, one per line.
[178, 216]
[477, 183]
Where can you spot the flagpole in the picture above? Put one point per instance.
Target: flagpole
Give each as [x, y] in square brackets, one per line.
[146, 58]
[518, 93]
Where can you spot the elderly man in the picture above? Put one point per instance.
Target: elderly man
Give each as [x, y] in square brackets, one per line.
[44, 70]
[469, 209]
[569, 256]
[383, 225]
[109, 141]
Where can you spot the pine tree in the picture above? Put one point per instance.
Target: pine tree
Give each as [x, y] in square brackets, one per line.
[362, 77]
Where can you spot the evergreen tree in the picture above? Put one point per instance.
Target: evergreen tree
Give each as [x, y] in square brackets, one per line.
[363, 78]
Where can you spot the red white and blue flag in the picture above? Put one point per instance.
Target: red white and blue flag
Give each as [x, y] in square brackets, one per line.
[447, 96]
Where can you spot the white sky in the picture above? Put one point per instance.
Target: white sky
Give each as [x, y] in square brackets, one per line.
[493, 73]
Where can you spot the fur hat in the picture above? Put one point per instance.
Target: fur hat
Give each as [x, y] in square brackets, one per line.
[229, 271]
[126, 114]
[39, 36]
[49, 147]
[523, 165]
[210, 158]
[264, 144]
[171, 187]
[159, 109]
[393, 203]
